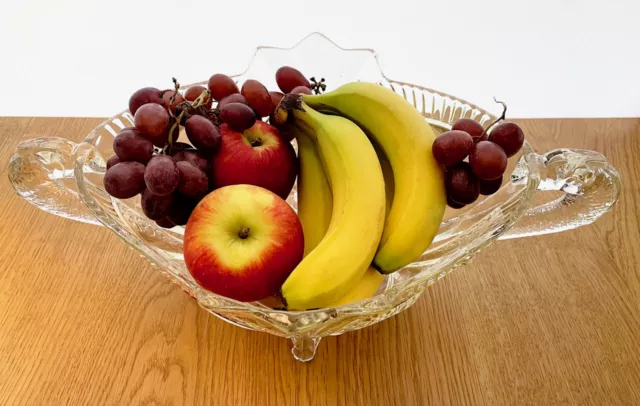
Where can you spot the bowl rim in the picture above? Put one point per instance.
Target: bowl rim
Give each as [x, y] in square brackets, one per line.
[89, 144]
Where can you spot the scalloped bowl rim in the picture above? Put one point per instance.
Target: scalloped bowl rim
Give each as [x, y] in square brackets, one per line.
[246, 306]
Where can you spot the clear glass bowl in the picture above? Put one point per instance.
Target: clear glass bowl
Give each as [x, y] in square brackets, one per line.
[572, 188]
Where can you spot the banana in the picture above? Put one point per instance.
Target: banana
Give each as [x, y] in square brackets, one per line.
[366, 287]
[405, 138]
[315, 203]
[336, 265]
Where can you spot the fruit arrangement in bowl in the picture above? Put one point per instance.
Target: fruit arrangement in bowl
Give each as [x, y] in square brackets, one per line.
[310, 195]
[357, 222]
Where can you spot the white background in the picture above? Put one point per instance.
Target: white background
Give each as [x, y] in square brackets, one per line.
[546, 58]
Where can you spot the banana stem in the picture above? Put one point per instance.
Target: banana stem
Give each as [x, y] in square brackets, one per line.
[288, 103]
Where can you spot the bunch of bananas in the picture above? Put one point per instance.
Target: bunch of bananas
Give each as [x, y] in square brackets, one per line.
[370, 194]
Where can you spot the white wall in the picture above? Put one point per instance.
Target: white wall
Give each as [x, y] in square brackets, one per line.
[546, 58]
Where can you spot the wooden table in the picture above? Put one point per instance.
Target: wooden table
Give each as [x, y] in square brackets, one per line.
[553, 320]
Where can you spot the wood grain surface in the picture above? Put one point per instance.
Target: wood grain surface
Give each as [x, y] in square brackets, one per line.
[549, 320]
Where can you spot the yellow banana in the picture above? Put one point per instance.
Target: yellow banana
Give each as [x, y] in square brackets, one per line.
[366, 287]
[315, 203]
[405, 138]
[336, 265]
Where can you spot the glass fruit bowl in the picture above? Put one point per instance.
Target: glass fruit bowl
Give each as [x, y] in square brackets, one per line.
[571, 188]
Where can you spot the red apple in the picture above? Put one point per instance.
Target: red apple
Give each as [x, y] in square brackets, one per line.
[258, 156]
[242, 242]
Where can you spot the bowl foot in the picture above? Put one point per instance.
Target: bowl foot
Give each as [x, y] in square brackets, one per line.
[304, 347]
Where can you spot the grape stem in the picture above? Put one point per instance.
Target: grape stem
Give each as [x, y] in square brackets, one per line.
[200, 100]
[317, 87]
[172, 99]
[502, 117]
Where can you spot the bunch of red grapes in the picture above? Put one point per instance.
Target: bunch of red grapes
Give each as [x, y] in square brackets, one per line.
[174, 176]
[487, 153]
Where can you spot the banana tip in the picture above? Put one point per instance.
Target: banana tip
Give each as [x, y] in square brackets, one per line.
[377, 268]
[284, 301]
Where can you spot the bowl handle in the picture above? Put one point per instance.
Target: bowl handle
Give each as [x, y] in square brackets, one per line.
[41, 171]
[590, 186]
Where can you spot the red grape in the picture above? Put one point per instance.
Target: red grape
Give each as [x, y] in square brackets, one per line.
[202, 134]
[452, 147]
[461, 184]
[488, 160]
[222, 86]
[161, 175]
[156, 207]
[275, 98]
[472, 127]
[151, 121]
[112, 161]
[289, 78]
[124, 180]
[238, 116]
[509, 136]
[194, 92]
[165, 223]
[489, 187]
[283, 132]
[258, 97]
[131, 146]
[182, 208]
[166, 97]
[301, 90]
[193, 158]
[161, 140]
[144, 96]
[232, 98]
[193, 181]
[453, 204]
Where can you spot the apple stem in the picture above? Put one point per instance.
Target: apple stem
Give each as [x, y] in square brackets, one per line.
[244, 233]
[256, 142]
